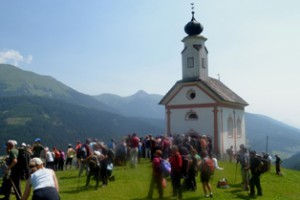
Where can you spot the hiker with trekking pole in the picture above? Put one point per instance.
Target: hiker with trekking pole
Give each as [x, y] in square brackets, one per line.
[243, 158]
[12, 175]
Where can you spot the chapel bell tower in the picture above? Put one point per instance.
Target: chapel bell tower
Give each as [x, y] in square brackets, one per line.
[194, 54]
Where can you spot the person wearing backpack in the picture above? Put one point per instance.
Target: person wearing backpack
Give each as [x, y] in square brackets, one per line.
[176, 165]
[61, 160]
[94, 165]
[157, 175]
[255, 164]
[85, 154]
[191, 183]
[24, 157]
[206, 167]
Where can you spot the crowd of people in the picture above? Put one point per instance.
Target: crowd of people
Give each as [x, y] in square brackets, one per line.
[187, 155]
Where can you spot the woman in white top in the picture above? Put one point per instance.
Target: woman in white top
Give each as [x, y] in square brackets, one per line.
[43, 181]
[49, 159]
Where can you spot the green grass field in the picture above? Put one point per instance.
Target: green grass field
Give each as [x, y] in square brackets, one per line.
[133, 184]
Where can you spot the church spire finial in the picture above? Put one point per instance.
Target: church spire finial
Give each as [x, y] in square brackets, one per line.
[193, 27]
[193, 12]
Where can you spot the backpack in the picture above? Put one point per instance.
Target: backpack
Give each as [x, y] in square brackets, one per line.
[23, 159]
[111, 155]
[185, 166]
[82, 152]
[62, 156]
[207, 166]
[194, 163]
[223, 183]
[165, 167]
[56, 154]
[264, 165]
[94, 162]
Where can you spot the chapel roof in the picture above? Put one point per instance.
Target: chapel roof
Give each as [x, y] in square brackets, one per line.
[214, 86]
[223, 91]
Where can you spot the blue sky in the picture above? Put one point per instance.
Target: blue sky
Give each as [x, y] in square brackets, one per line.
[121, 47]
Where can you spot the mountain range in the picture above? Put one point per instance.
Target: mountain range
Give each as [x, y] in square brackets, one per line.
[264, 134]
[33, 106]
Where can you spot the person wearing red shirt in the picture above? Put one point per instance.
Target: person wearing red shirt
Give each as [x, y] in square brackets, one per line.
[157, 175]
[134, 150]
[166, 147]
[176, 164]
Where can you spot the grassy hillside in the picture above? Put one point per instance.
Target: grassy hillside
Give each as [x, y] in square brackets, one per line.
[60, 123]
[17, 82]
[133, 184]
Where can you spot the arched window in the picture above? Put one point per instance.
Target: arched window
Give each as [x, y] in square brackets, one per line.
[191, 116]
[230, 127]
[239, 128]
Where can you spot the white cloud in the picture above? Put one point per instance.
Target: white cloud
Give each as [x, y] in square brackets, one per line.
[14, 57]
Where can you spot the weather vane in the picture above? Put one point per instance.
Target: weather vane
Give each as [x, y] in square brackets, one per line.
[192, 7]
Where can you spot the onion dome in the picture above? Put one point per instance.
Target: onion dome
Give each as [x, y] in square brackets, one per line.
[193, 27]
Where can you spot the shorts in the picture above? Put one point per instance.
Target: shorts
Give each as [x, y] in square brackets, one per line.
[47, 193]
[204, 177]
[69, 161]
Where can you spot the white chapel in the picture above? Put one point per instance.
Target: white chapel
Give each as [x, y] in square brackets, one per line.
[199, 104]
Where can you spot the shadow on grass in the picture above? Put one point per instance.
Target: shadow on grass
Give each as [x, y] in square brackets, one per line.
[238, 192]
[75, 190]
[167, 198]
[171, 198]
[80, 189]
[68, 177]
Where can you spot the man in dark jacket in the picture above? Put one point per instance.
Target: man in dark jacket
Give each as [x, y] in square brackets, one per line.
[277, 164]
[255, 164]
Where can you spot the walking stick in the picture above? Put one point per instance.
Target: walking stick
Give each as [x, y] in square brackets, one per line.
[235, 172]
[15, 188]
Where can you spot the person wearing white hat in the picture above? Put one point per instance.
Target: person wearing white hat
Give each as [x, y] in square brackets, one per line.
[12, 175]
[43, 181]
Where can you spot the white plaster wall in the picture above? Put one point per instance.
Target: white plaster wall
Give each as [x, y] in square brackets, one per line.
[204, 124]
[189, 72]
[190, 51]
[181, 97]
[228, 141]
[241, 115]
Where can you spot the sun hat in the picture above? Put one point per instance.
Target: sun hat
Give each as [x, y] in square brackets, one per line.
[37, 161]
